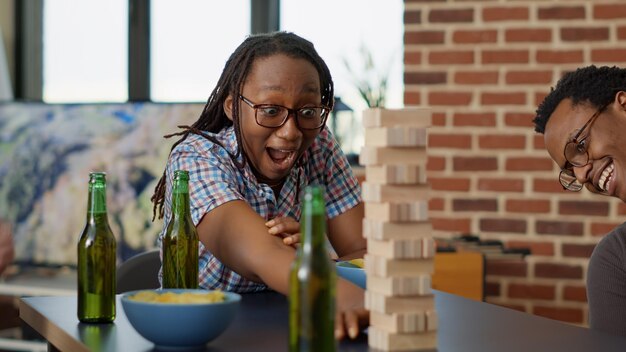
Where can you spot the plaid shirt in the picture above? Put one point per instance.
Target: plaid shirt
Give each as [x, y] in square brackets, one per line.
[214, 179]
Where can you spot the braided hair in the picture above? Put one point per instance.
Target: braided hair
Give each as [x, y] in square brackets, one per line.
[213, 118]
[591, 84]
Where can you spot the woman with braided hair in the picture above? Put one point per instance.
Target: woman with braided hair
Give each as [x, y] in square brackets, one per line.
[260, 139]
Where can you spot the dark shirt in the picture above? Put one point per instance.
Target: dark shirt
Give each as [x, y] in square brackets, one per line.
[606, 283]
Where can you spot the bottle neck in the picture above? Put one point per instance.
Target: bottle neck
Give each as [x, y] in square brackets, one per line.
[313, 221]
[97, 202]
[180, 198]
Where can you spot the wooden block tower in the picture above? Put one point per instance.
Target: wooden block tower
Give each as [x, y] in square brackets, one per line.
[400, 245]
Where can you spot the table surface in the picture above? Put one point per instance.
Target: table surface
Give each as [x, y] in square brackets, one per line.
[261, 325]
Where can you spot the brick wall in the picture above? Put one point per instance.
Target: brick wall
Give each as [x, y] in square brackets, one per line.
[483, 66]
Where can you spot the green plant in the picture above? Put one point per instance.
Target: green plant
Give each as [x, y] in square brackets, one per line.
[372, 85]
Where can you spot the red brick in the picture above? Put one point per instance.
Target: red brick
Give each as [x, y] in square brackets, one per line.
[451, 15]
[424, 78]
[436, 163]
[505, 56]
[424, 37]
[560, 56]
[609, 11]
[451, 57]
[534, 35]
[551, 185]
[492, 289]
[476, 77]
[581, 207]
[536, 248]
[457, 141]
[503, 98]
[412, 98]
[412, 57]
[558, 271]
[528, 164]
[529, 77]
[527, 206]
[569, 315]
[436, 204]
[561, 13]
[502, 141]
[601, 229]
[621, 32]
[539, 142]
[438, 119]
[492, 14]
[529, 291]
[412, 17]
[460, 163]
[449, 98]
[575, 293]
[621, 208]
[539, 96]
[456, 225]
[501, 185]
[475, 36]
[449, 184]
[474, 205]
[566, 228]
[577, 250]
[486, 119]
[580, 34]
[608, 55]
[503, 225]
[519, 119]
[501, 267]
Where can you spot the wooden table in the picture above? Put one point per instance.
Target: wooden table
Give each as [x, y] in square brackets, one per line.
[261, 325]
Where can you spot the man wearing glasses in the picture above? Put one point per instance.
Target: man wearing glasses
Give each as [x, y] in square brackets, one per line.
[583, 120]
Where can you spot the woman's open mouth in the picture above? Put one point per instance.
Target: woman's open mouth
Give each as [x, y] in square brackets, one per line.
[282, 158]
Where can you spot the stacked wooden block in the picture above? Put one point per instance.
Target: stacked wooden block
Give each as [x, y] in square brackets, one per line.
[400, 246]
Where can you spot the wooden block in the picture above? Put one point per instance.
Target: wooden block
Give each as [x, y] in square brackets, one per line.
[392, 155]
[410, 248]
[416, 285]
[385, 230]
[405, 322]
[414, 117]
[378, 192]
[396, 136]
[408, 211]
[396, 174]
[378, 302]
[384, 267]
[388, 341]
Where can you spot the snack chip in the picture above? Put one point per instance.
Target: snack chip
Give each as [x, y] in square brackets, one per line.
[182, 298]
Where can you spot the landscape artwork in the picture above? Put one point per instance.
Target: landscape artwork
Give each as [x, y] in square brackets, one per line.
[46, 155]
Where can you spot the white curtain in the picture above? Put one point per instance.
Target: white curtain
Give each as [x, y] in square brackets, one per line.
[6, 94]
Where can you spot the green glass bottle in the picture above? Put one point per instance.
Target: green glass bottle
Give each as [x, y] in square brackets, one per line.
[180, 243]
[312, 282]
[96, 258]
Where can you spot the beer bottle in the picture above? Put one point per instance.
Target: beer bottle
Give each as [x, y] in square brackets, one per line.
[180, 243]
[312, 281]
[96, 258]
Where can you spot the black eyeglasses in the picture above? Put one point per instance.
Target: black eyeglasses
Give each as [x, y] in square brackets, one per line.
[576, 155]
[273, 116]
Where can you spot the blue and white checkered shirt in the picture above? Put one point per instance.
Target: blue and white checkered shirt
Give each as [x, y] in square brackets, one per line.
[215, 179]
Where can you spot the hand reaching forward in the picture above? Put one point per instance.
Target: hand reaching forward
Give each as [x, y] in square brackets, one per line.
[285, 227]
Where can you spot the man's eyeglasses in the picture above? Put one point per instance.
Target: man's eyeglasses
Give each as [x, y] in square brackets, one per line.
[576, 155]
[274, 116]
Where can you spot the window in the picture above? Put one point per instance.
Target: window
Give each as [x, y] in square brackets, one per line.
[85, 51]
[340, 30]
[191, 41]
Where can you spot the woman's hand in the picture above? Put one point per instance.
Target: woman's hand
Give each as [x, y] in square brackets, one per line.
[351, 315]
[285, 227]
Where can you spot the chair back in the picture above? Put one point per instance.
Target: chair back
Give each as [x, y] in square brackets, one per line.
[139, 272]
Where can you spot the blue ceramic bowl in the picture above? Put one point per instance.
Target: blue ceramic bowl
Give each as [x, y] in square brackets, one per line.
[177, 325]
[352, 273]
